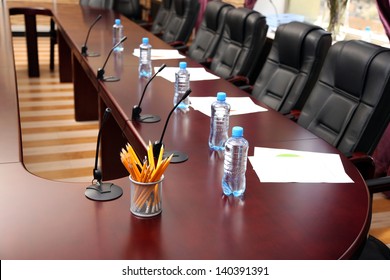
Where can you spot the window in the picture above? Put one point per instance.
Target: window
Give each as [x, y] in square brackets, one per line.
[360, 14]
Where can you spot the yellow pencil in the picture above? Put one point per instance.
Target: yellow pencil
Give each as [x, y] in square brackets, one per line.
[160, 156]
[150, 155]
[134, 155]
[164, 164]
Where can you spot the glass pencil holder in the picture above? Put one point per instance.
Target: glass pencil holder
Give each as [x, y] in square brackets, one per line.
[146, 198]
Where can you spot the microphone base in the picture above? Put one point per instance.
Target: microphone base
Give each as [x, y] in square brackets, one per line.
[91, 54]
[146, 118]
[178, 156]
[103, 192]
[110, 79]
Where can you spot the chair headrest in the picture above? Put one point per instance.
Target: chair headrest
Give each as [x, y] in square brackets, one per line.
[212, 14]
[237, 21]
[290, 38]
[352, 65]
[182, 7]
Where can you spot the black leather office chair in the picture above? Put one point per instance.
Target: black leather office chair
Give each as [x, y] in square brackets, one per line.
[31, 34]
[132, 9]
[105, 4]
[349, 104]
[242, 42]
[182, 21]
[162, 18]
[292, 66]
[210, 30]
[349, 108]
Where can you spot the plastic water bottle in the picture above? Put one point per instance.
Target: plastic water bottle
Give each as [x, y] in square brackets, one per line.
[182, 84]
[117, 35]
[219, 122]
[236, 155]
[145, 61]
[366, 36]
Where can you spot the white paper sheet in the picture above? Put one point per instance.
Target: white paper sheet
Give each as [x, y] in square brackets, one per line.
[283, 165]
[196, 74]
[158, 54]
[238, 105]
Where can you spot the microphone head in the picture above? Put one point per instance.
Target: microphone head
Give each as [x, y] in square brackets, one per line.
[186, 94]
[84, 50]
[100, 74]
[156, 148]
[161, 67]
[124, 38]
[97, 175]
[136, 113]
[106, 115]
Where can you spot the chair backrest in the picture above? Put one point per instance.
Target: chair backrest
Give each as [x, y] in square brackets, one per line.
[162, 18]
[242, 42]
[182, 21]
[349, 104]
[210, 31]
[129, 8]
[106, 4]
[292, 66]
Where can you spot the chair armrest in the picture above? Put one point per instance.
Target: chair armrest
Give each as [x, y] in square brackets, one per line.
[364, 163]
[180, 46]
[177, 44]
[159, 34]
[293, 115]
[206, 63]
[183, 49]
[146, 25]
[381, 184]
[247, 88]
[238, 80]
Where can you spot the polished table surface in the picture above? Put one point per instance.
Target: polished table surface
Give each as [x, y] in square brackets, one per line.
[42, 219]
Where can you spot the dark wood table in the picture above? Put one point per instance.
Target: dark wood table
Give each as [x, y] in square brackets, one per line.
[42, 219]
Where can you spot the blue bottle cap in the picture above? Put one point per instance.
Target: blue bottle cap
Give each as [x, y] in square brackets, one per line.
[183, 65]
[221, 96]
[145, 40]
[117, 21]
[237, 131]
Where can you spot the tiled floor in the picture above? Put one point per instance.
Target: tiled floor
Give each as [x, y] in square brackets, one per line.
[55, 146]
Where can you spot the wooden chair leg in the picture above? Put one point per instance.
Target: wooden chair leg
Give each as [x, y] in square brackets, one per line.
[32, 45]
[32, 34]
[53, 41]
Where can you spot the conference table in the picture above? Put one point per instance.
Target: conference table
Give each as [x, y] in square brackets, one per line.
[44, 219]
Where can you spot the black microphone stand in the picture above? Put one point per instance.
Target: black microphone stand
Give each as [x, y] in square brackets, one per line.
[84, 48]
[100, 72]
[136, 114]
[99, 191]
[177, 155]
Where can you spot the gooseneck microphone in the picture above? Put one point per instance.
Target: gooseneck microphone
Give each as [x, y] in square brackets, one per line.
[177, 156]
[102, 191]
[136, 114]
[84, 48]
[100, 72]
